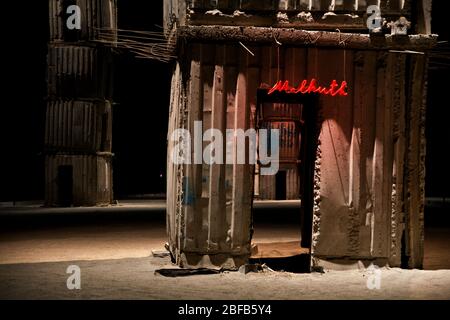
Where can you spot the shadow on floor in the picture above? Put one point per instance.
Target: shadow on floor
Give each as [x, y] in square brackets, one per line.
[295, 264]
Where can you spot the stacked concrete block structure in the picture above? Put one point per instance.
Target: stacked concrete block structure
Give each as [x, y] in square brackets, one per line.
[359, 161]
[78, 132]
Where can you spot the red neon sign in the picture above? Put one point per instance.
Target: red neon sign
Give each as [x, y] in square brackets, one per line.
[312, 87]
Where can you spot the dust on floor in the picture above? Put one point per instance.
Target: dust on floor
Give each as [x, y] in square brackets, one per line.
[135, 278]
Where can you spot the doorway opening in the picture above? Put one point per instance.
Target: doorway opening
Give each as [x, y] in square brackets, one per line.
[280, 185]
[282, 217]
[65, 185]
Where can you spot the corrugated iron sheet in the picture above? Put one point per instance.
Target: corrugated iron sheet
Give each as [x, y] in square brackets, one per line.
[77, 71]
[78, 126]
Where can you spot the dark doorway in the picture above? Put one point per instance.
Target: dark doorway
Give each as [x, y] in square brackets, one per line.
[308, 148]
[280, 185]
[65, 186]
[282, 229]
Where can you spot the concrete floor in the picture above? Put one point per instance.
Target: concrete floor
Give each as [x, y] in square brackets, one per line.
[113, 246]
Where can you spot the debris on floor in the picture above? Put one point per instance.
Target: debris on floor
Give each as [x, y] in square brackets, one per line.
[160, 253]
[185, 272]
[246, 268]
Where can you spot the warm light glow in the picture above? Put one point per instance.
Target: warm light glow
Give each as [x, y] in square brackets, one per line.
[312, 87]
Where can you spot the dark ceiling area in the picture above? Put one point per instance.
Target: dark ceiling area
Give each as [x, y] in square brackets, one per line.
[438, 111]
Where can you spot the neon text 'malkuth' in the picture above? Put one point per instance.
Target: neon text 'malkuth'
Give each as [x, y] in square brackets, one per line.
[312, 87]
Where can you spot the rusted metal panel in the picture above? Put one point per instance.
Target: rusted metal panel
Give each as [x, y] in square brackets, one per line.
[207, 74]
[398, 196]
[193, 208]
[282, 112]
[362, 146]
[267, 184]
[371, 215]
[415, 162]
[293, 183]
[382, 162]
[78, 126]
[335, 137]
[216, 205]
[91, 178]
[289, 139]
[231, 72]
[297, 36]
[104, 180]
[217, 231]
[242, 173]
[95, 15]
[174, 173]
[267, 187]
[77, 71]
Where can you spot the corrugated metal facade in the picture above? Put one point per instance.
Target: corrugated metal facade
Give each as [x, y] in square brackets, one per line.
[75, 71]
[78, 126]
[351, 191]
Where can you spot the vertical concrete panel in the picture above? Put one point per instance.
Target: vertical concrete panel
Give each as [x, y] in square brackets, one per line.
[217, 197]
[172, 168]
[193, 209]
[231, 72]
[241, 178]
[365, 103]
[415, 162]
[398, 211]
[335, 138]
[382, 163]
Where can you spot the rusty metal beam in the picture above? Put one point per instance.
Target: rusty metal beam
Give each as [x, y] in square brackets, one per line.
[306, 38]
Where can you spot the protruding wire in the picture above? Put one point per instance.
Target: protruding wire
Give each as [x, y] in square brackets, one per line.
[249, 51]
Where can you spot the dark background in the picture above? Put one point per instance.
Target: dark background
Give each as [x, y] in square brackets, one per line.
[142, 89]
[140, 113]
[438, 108]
